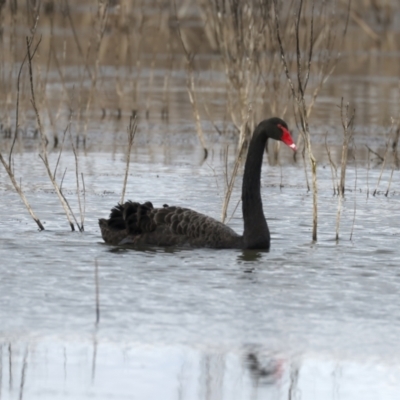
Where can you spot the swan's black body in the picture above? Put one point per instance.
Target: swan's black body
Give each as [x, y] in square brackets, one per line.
[142, 224]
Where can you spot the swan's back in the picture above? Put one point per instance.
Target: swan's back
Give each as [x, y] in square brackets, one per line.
[142, 224]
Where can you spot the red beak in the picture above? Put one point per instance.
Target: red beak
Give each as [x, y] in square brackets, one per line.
[287, 138]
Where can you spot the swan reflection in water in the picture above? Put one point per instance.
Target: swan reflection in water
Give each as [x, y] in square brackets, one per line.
[250, 256]
[268, 372]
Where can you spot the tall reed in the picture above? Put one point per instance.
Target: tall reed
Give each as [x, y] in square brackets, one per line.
[347, 118]
[314, 42]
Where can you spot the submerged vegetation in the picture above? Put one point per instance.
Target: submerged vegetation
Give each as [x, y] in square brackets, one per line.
[66, 68]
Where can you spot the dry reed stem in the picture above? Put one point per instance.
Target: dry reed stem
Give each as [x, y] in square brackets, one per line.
[238, 32]
[150, 85]
[303, 156]
[61, 150]
[395, 156]
[97, 291]
[102, 17]
[302, 84]
[78, 191]
[363, 25]
[299, 97]
[395, 146]
[347, 124]
[68, 205]
[23, 373]
[276, 95]
[43, 156]
[381, 159]
[9, 167]
[326, 69]
[84, 197]
[338, 213]
[190, 85]
[238, 161]
[16, 111]
[124, 50]
[234, 210]
[226, 175]
[52, 120]
[138, 38]
[61, 74]
[355, 194]
[390, 182]
[166, 85]
[384, 159]
[210, 118]
[348, 131]
[76, 38]
[214, 173]
[305, 54]
[333, 167]
[131, 135]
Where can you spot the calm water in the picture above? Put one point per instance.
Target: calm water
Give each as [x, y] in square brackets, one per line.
[305, 321]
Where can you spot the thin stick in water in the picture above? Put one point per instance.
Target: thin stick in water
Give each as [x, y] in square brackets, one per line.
[355, 195]
[81, 212]
[332, 165]
[384, 161]
[43, 137]
[97, 298]
[131, 135]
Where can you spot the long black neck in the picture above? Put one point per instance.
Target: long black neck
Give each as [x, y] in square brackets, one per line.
[256, 232]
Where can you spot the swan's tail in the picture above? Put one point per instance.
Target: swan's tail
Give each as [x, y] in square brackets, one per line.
[133, 217]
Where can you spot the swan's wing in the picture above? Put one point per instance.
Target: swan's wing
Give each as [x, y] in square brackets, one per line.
[166, 226]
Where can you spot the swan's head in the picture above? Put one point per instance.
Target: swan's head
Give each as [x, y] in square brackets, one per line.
[280, 131]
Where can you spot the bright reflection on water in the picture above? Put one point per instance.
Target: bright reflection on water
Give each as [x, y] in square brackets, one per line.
[305, 321]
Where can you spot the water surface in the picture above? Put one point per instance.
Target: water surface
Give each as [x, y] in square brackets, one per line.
[304, 321]
[312, 320]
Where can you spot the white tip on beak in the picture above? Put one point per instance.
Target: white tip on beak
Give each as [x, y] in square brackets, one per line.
[293, 146]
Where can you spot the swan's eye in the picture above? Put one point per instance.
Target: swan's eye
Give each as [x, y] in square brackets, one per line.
[287, 137]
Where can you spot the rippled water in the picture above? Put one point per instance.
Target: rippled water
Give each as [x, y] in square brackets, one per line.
[303, 321]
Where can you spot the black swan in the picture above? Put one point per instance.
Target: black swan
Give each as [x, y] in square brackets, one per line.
[142, 224]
